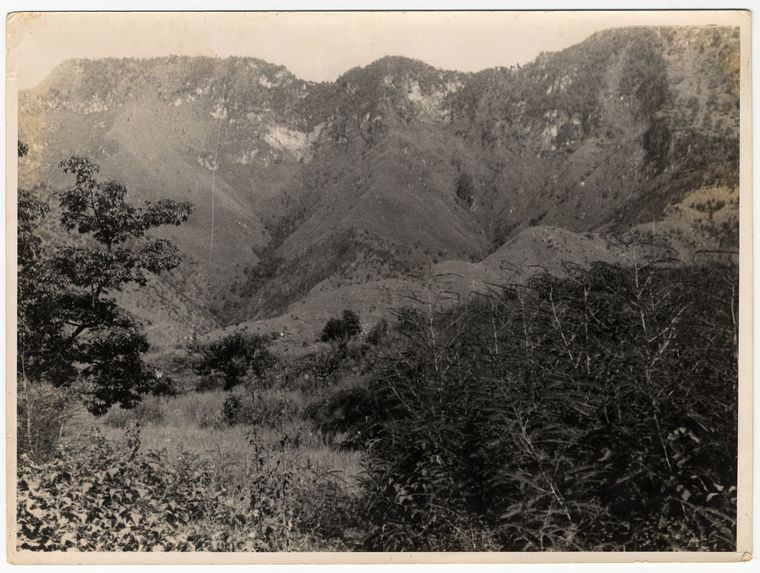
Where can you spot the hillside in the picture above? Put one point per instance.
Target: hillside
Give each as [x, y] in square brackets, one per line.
[323, 194]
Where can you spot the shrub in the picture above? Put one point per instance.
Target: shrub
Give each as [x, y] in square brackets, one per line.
[107, 498]
[378, 332]
[233, 358]
[150, 409]
[595, 412]
[465, 188]
[132, 501]
[341, 329]
[317, 370]
[118, 417]
[254, 408]
[211, 381]
[353, 412]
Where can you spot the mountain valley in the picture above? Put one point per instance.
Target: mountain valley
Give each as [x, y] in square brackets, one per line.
[399, 179]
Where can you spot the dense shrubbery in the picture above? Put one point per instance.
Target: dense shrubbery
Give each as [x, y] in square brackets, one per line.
[596, 412]
[233, 358]
[248, 407]
[106, 498]
[378, 332]
[593, 412]
[341, 329]
[43, 411]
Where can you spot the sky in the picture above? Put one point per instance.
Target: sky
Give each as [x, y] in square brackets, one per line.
[314, 46]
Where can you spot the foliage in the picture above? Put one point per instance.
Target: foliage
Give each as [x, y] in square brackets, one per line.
[465, 189]
[235, 357]
[104, 498]
[352, 412]
[70, 325]
[341, 329]
[378, 332]
[190, 409]
[596, 412]
[254, 408]
[42, 413]
[318, 370]
[644, 80]
[644, 75]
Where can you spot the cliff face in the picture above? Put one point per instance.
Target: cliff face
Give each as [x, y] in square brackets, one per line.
[396, 165]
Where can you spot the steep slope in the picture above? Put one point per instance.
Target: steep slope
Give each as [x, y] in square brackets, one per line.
[379, 194]
[155, 126]
[446, 165]
[323, 193]
[576, 138]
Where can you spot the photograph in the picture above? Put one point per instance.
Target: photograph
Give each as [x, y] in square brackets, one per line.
[378, 286]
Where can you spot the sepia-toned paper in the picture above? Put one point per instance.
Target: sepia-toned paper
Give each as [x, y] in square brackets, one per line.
[38, 41]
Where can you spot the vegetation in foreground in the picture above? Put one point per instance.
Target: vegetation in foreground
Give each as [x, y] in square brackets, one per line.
[594, 412]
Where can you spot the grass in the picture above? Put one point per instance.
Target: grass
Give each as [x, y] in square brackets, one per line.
[233, 487]
[193, 423]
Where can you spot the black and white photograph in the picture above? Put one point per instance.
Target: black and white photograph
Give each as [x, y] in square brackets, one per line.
[291, 284]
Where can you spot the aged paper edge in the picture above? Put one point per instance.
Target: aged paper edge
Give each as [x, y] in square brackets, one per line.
[740, 18]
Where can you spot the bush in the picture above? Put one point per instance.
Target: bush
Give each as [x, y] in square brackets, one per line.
[247, 406]
[211, 381]
[118, 417]
[107, 498]
[341, 329]
[233, 358]
[317, 371]
[352, 411]
[378, 332]
[465, 189]
[596, 412]
[132, 501]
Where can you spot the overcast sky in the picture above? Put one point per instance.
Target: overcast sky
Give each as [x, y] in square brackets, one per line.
[314, 46]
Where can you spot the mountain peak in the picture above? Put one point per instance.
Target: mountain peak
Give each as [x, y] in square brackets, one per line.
[393, 67]
[397, 162]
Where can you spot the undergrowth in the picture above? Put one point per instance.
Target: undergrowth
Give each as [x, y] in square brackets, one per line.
[104, 497]
[595, 412]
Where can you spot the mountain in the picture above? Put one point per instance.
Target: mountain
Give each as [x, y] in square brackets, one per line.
[313, 197]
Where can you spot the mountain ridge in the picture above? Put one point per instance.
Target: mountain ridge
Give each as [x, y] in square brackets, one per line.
[397, 164]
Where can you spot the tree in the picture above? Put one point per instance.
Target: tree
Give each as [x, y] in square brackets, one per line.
[234, 357]
[71, 326]
[41, 403]
[341, 329]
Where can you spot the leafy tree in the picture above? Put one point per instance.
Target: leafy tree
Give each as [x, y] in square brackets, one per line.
[70, 325]
[333, 330]
[235, 356]
[341, 329]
